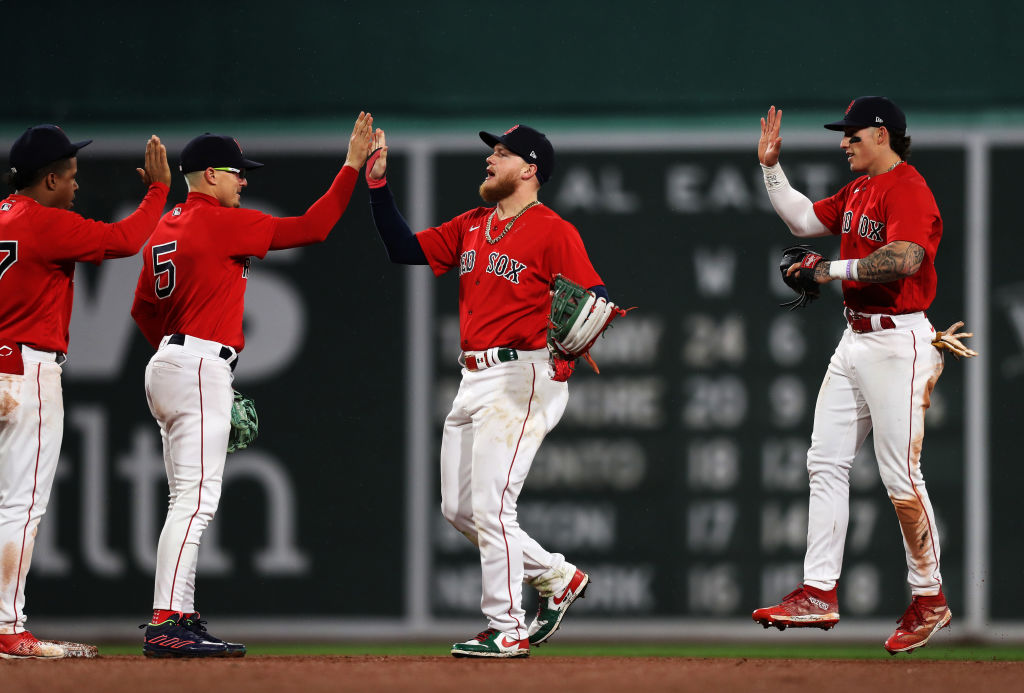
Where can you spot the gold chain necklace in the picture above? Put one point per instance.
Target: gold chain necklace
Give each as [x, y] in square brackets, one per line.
[508, 226]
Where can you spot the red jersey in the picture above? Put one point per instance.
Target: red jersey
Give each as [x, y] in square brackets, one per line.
[873, 211]
[39, 247]
[196, 263]
[504, 287]
[195, 267]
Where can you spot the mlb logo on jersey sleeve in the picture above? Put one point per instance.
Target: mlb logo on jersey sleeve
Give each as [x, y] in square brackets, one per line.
[5, 206]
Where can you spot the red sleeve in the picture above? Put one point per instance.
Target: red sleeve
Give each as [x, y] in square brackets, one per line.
[441, 244]
[568, 256]
[86, 240]
[315, 225]
[830, 210]
[144, 307]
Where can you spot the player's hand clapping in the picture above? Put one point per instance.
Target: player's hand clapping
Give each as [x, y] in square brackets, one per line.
[360, 141]
[157, 169]
[770, 144]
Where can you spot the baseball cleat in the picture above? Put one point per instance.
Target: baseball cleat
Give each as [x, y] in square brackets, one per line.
[806, 607]
[492, 643]
[198, 626]
[552, 607]
[171, 638]
[923, 618]
[27, 646]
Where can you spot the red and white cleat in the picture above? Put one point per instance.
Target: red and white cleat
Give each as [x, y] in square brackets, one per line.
[806, 607]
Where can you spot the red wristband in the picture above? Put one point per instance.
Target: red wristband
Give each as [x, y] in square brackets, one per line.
[370, 181]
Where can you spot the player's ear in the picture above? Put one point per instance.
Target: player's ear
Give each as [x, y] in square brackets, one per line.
[530, 171]
[210, 176]
[50, 179]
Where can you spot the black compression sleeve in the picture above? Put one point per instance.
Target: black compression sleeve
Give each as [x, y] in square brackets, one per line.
[399, 240]
[600, 291]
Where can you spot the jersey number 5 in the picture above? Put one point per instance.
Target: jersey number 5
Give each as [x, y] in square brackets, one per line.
[8, 255]
[163, 269]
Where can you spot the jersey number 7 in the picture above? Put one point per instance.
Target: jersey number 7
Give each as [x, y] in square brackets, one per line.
[8, 255]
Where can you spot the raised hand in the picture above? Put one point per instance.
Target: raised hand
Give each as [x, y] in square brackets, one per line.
[770, 144]
[380, 162]
[157, 169]
[360, 141]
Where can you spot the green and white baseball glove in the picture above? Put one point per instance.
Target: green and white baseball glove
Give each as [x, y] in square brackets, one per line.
[577, 319]
[245, 424]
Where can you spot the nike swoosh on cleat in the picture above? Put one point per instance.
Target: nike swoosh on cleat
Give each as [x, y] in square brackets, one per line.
[558, 600]
[505, 642]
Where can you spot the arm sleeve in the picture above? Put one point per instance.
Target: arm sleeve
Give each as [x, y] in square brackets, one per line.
[792, 206]
[315, 225]
[401, 244]
[144, 308]
[146, 318]
[85, 240]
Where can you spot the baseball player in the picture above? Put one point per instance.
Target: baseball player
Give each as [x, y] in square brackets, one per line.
[884, 369]
[189, 304]
[40, 242]
[509, 397]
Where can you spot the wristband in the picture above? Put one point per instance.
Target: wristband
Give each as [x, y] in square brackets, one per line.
[844, 269]
[371, 181]
[774, 178]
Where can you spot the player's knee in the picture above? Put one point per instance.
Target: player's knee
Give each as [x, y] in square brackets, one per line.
[459, 520]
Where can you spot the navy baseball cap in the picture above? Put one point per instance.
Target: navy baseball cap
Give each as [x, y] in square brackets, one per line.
[871, 112]
[214, 150]
[41, 145]
[531, 145]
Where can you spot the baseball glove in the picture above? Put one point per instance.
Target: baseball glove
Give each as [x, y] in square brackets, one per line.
[245, 425]
[577, 319]
[949, 340]
[801, 281]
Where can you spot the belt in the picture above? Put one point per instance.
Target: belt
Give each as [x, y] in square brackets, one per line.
[225, 353]
[491, 357]
[864, 322]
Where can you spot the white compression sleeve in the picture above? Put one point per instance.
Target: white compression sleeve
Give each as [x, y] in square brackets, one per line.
[792, 206]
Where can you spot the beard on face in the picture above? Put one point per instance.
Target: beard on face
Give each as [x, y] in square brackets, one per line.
[497, 189]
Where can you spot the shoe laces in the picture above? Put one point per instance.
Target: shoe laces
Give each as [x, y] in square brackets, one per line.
[195, 624]
[483, 635]
[793, 596]
[914, 616]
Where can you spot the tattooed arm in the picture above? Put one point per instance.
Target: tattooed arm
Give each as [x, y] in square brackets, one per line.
[890, 262]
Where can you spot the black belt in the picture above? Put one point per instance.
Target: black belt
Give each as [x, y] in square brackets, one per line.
[225, 353]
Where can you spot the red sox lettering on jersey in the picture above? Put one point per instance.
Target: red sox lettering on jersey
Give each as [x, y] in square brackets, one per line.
[507, 303]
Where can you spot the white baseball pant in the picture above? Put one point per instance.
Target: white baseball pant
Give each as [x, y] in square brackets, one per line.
[497, 422]
[189, 392]
[878, 380]
[31, 432]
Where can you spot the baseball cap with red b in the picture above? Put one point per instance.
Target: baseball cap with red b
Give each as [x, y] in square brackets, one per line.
[871, 112]
[531, 145]
[41, 145]
[214, 150]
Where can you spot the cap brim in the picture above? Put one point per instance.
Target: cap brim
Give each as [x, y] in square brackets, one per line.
[78, 145]
[841, 125]
[247, 164]
[489, 139]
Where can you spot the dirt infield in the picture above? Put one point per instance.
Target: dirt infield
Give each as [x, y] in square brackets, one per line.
[564, 674]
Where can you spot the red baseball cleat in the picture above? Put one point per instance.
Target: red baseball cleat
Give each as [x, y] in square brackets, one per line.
[922, 619]
[806, 607]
